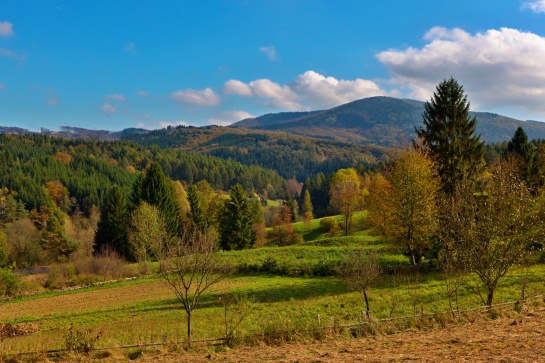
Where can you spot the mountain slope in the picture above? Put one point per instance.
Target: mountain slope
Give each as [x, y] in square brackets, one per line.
[386, 121]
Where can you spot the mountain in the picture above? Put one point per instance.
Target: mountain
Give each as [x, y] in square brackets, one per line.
[384, 121]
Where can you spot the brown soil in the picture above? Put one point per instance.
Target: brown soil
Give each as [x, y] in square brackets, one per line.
[520, 339]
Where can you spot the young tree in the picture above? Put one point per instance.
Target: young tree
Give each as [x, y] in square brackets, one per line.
[360, 268]
[236, 227]
[448, 133]
[197, 214]
[283, 229]
[190, 268]
[146, 231]
[489, 231]
[379, 204]
[306, 206]
[346, 195]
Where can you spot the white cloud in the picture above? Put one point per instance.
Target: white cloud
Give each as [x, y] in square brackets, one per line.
[116, 97]
[142, 93]
[164, 124]
[537, 6]
[6, 29]
[3, 86]
[307, 91]
[326, 92]
[497, 68]
[237, 88]
[206, 97]
[108, 109]
[269, 51]
[227, 118]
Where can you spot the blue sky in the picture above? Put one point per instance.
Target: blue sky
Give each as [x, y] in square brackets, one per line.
[118, 64]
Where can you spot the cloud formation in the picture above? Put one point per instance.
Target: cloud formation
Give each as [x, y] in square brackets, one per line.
[3, 87]
[307, 91]
[8, 53]
[108, 108]
[193, 97]
[497, 68]
[227, 118]
[6, 29]
[130, 47]
[269, 51]
[54, 101]
[537, 6]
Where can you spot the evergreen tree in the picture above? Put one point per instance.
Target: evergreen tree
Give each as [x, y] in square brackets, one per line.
[55, 241]
[196, 215]
[448, 133]
[157, 190]
[236, 227]
[306, 206]
[112, 227]
[525, 150]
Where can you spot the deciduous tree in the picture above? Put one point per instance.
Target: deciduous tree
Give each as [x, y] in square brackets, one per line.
[489, 230]
[346, 195]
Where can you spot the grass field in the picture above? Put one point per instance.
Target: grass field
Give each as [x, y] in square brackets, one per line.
[285, 300]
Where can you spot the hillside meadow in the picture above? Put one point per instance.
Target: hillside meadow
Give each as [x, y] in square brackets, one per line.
[284, 294]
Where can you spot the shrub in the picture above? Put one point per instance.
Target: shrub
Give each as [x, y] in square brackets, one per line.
[9, 283]
[329, 225]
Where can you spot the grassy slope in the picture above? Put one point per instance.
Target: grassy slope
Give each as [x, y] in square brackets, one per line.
[140, 311]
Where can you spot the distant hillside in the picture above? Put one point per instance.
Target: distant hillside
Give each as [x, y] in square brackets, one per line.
[384, 121]
[289, 155]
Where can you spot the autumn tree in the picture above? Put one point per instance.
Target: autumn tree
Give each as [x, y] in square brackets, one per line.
[360, 268]
[190, 268]
[283, 228]
[306, 206]
[489, 230]
[146, 231]
[346, 195]
[407, 212]
[236, 222]
[448, 133]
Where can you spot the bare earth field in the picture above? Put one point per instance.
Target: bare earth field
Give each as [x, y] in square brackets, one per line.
[520, 339]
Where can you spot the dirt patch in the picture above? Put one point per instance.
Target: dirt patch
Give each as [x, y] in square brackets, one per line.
[17, 330]
[515, 339]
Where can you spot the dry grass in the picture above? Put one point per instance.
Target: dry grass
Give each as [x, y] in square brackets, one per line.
[507, 339]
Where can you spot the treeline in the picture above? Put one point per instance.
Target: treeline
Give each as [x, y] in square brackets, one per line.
[88, 169]
[289, 155]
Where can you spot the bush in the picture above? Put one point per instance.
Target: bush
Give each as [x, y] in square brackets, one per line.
[9, 283]
[329, 225]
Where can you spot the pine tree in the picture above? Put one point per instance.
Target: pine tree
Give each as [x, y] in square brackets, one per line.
[112, 227]
[519, 145]
[196, 215]
[55, 241]
[236, 227]
[448, 133]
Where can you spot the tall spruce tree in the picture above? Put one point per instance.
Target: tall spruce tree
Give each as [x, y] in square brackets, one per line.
[448, 132]
[197, 215]
[112, 227]
[236, 223]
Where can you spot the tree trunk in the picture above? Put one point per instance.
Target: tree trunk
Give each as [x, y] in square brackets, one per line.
[189, 329]
[366, 303]
[490, 296]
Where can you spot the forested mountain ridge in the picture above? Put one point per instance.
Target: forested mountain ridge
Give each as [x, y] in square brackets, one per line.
[289, 155]
[385, 121]
[87, 169]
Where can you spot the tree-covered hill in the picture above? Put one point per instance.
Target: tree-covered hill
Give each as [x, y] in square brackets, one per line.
[289, 155]
[89, 168]
[386, 121]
